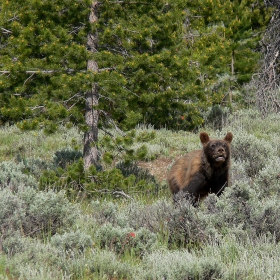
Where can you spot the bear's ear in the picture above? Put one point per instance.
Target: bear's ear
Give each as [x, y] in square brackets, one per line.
[204, 138]
[228, 137]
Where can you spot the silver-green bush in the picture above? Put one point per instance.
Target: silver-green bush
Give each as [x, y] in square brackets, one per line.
[34, 213]
[254, 153]
[12, 176]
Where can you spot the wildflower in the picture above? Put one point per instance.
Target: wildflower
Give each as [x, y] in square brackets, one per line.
[131, 234]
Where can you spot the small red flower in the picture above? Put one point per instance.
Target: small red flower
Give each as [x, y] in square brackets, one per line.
[131, 234]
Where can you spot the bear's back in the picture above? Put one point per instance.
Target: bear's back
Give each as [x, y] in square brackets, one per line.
[183, 170]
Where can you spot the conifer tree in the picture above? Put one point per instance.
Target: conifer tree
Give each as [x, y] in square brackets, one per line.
[157, 62]
[223, 38]
[46, 79]
[141, 48]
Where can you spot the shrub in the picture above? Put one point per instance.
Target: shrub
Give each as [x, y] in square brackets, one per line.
[66, 156]
[34, 213]
[172, 226]
[177, 265]
[252, 152]
[238, 173]
[268, 178]
[108, 212]
[73, 240]
[49, 211]
[266, 218]
[123, 240]
[94, 182]
[153, 216]
[12, 176]
[232, 212]
[35, 166]
[138, 172]
[35, 260]
[105, 265]
[216, 117]
[184, 225]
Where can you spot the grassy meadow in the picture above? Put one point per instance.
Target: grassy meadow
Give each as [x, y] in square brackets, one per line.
[53, 233]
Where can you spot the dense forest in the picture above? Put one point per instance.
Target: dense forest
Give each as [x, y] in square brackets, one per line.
[98, 99]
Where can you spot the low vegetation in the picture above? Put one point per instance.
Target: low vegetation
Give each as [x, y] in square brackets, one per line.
[117, 221]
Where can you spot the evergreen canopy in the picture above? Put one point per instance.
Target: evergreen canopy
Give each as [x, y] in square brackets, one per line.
[159, 62]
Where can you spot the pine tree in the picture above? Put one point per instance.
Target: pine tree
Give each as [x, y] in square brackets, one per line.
[157, 62]
[223, 38]
[43, 62]
[140, 45]
[45, 70]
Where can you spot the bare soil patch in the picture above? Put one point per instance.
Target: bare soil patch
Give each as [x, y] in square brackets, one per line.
[158, 167]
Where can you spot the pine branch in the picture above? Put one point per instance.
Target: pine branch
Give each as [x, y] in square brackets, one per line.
[67, 71]
[6, 31]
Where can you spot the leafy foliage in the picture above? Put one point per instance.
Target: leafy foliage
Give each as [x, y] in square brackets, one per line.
[159, 63]
[44, 53]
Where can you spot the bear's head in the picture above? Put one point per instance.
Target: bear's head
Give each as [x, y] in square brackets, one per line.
[217, 152]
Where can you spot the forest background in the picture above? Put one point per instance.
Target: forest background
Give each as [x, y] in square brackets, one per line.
[98, 99]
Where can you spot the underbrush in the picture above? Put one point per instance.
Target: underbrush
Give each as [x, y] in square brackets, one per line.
[118, 221]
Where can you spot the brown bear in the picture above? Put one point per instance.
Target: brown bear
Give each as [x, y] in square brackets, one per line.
[201, 172]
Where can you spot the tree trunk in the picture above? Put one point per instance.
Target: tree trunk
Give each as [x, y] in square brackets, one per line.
[232, 76]
[90, 153]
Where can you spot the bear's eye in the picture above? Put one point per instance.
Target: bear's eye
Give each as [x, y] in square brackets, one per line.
[213, 146]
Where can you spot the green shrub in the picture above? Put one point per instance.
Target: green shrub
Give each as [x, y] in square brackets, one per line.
[243, 210]
[174, 227]
[268, 178]
[266, 218]
[73, 240]
[231, 213]
[12, 176]
[34, 213]
[252, 152]
[152, 216]
[66, 156]
[103, 264]
[184, 225]
[122, 240]
[252, 122]
[216, 117]
[34, 167]
[35, 260]
[178, 265]
[96, 183]
[138, 172]
[238, 173]
[108, 212]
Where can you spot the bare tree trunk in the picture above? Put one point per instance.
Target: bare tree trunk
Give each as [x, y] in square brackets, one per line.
[90, 153]
[232, 63]
[268, 79]
[232, 76]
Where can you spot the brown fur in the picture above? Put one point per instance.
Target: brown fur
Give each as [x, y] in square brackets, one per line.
[201, 172]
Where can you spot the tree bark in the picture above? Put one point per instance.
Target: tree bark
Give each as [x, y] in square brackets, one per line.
[268, 79]
[232, 76]
[90, 153]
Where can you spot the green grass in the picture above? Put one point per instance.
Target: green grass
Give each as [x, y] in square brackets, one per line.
[144, 236]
